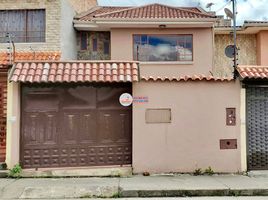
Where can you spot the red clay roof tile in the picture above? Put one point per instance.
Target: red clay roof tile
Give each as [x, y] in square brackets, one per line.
[77, 71]
[6, 59]
[186, 78]
[151, 11]
[253, 71]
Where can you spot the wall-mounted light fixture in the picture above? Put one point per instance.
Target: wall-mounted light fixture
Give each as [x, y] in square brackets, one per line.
[162, 26]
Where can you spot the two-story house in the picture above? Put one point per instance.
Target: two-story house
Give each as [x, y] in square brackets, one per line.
[34, 30]
[79, 114]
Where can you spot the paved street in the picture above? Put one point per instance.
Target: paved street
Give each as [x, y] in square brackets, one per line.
[136, 186]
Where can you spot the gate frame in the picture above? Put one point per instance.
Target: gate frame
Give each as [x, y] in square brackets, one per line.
[248, 84]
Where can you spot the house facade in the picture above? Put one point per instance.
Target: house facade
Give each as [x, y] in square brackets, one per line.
[187, 113]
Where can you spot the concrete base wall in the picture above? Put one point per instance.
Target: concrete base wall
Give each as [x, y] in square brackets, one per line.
[192, 139]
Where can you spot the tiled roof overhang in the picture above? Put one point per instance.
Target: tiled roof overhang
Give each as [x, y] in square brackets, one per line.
[253, 72]
[150, 11]
[74, 72]
[186, 78]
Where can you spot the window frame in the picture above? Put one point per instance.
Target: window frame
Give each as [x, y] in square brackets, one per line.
[161, 61]
[25, 38]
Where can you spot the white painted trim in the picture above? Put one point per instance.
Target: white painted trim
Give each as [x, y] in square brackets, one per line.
[84, 25]
[154, 20]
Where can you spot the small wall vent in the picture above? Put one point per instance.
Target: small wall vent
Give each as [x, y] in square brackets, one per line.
[160, 115]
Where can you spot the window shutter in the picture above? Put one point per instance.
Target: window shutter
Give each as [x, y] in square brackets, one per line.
[17, 25]
[36, 26]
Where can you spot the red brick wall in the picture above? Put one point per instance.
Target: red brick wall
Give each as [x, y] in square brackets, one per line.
[3, 101]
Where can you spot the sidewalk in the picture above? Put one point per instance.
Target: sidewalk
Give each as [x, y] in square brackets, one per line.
[136, 186]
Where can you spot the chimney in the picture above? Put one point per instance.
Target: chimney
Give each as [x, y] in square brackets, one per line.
[83, 5]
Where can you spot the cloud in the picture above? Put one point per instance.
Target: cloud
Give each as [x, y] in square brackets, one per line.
[247, 9]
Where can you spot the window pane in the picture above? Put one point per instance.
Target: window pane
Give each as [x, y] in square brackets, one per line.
[144, 39]
[95, 44]
[106, 47]
[83, 42]
[36, 26]
[162, 47]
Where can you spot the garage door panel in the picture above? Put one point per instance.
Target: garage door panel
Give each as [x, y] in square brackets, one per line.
[40, 128]
[80, 127]
[88, 127]
[33, 128]
[50, 135]
[114, 126]
[70, 127]
[124, 126]
[106, 122]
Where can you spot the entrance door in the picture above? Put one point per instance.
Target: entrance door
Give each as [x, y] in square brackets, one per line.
[75, 126]
[257, 127]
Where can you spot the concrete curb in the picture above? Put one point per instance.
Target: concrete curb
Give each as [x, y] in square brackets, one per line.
[3, 173]
[193, 193]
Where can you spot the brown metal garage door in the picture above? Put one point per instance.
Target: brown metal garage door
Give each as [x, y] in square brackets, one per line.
[78, 126]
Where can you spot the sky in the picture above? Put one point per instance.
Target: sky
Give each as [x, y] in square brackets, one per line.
[246, 9]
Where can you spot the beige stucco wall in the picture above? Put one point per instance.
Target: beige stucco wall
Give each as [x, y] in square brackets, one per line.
[262, 48]
[122, 49]
[53, 16]
[13, 125]
[191, 140]
[246, 55]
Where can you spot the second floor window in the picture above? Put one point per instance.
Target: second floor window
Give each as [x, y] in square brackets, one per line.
[163, 47]
[22, 25]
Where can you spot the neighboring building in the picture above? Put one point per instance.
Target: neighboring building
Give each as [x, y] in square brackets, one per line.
[251, 41]
[253, 70]
[40, 30]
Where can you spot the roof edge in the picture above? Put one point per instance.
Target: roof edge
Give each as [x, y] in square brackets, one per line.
[179, 8]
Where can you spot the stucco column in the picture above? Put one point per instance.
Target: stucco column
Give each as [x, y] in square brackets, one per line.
[13, 124]
[243, 130]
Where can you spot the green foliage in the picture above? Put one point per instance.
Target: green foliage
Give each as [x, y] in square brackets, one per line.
[15, 171]
[198, 172]
[209, 171]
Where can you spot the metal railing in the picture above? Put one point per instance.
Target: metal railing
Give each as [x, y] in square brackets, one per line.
[22, 36]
